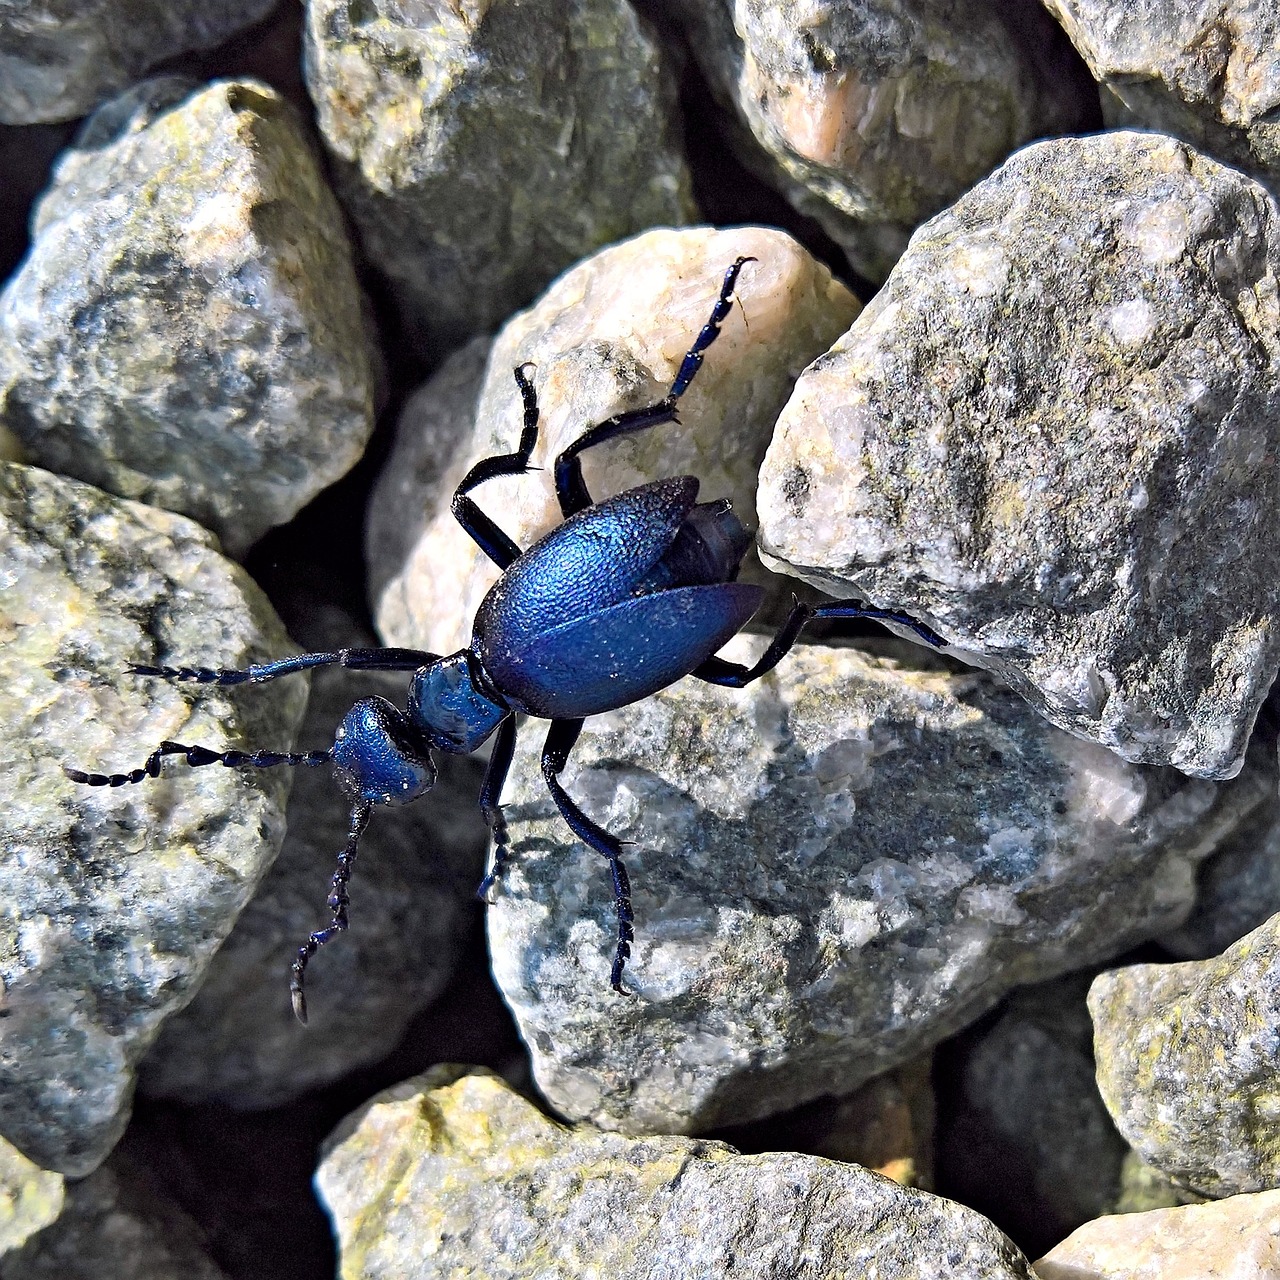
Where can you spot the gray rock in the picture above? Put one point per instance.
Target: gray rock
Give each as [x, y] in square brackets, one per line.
[117, 1224]
[483, 147]
[1055, 435]
[1203, 71]
[412, 895]
[832, 870]
[1236, 1238]
[873, 114]
[453, 1174]
[187, 329]
[60, 58]
[1189, 1064]
[608, 336]
[115, 900]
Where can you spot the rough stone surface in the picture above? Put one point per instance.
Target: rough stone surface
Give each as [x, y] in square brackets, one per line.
[114, 901]
[483, 147]
[608, 336]
[832, 870]
[1203, 71]
[187, 329]
[873, 114]
[412, 894]
[116, 1224]
[1236, 1239]
[30, 1198]
[453, 1175]
[1055, 435]
[1189, 1063]
[60, 58]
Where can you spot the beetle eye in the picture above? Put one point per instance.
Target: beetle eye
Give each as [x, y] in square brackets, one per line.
[379, 757]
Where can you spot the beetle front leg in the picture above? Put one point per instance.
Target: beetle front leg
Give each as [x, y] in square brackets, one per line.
[495, 775]
[560, 741]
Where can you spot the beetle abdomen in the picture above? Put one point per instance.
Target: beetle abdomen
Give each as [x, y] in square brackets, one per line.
[620, 654]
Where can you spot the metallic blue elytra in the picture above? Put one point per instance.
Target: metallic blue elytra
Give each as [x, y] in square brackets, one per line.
[623, 598]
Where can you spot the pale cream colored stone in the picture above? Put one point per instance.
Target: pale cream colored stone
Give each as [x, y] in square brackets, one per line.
[1233, 1239]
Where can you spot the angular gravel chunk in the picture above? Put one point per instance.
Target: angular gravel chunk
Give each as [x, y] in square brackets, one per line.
[483, 147]
[453, 1174]
[1055, 435]
[113, 902]
[871, 115]
[1189, 1063]
[1236, 1239]
[832, 870]
[60, 58]
[187, 329]
[1199, 69]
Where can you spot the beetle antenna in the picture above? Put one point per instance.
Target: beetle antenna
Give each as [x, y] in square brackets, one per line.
[196, 756]
[337, 903]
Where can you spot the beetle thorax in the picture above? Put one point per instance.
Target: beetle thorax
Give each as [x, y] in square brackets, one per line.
[447, 704]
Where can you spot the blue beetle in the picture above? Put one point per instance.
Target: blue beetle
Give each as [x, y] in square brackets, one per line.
[623, 598]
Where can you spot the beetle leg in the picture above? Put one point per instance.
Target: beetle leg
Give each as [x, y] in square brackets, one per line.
[352, 659]
[490, 794]
[571, 489]
[498, 546]
[337, 902]
[197, 756]
[735, 675]
[560, 741]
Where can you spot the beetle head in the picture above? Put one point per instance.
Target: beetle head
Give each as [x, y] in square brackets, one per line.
[380, 757]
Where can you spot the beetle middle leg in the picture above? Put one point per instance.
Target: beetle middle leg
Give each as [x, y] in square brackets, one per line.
[571, 489]
[560, 741]
[735, 675]
[495, 775]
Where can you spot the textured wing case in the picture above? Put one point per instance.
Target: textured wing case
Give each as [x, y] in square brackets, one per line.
[621, 654]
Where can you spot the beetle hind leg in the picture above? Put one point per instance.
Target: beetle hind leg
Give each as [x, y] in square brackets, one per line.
[735, 676]
[560, 741]
[498, 546]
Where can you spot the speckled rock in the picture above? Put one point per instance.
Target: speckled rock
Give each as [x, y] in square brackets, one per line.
[1189, 1064]
[1236, 1239]
[608, 336]
[1055, 436]
[832, 870]
[30, 1198]
[453, 1175]
[412, 895]
[60, 58]
[116, 1224]
[187, 329]
[483, 147]
[1203, 71]
[873, 114]
[114, 901]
